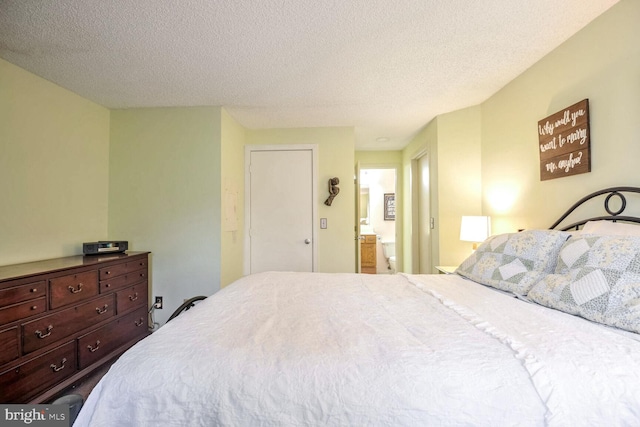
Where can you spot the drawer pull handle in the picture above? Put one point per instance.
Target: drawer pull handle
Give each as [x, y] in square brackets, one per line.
[34, 307]
[58, 368]
[41, 334]
[108, 285]
[75, 290]
[93, 349]
[142, 274]
[103, 309]
[133, 297]
[107, 272]
[34, 290]
[139, 322]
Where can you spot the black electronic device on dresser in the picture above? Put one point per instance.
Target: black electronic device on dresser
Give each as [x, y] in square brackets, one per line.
[62, 318]
[104, 247]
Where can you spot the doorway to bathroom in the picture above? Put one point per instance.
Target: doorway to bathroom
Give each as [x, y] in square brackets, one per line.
[377, 219]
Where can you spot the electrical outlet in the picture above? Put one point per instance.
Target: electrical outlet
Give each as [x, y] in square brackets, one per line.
[158, 303]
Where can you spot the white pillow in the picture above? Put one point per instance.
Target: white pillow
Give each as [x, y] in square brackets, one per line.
[609, 228]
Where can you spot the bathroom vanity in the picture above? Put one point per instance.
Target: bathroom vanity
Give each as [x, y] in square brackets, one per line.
[368, 253]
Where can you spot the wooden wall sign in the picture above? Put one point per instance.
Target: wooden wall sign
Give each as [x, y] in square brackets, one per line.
[564, 142]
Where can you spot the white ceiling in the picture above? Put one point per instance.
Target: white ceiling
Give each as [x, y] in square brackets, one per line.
[386, 67]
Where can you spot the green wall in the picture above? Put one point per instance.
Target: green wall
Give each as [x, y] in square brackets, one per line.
[458, 180]
[232, 203]
[164, 196]
[379, 158]
[451, 145]
[601, 63]
[54, 168]
[336, 246]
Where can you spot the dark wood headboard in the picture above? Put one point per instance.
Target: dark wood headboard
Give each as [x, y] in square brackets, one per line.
[617, 193]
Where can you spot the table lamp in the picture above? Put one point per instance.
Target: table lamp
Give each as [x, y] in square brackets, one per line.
[475, 229]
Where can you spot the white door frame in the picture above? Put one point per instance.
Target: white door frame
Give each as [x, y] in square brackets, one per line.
[247, 197]
[358, 267]
[418, 246]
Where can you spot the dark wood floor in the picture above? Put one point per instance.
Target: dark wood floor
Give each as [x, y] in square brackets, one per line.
[85, 385]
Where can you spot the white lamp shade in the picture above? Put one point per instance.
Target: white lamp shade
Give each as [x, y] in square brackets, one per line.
[475, 228]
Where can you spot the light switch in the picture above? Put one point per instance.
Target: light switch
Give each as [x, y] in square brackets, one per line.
[323, 223]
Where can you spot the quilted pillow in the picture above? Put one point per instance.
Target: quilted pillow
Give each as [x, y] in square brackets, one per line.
[598, 278]
[514, 262]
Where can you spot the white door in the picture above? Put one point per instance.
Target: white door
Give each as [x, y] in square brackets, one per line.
[280, 209]
[358, 239]
[424, 216]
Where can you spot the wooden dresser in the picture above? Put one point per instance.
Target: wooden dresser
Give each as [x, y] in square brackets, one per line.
[368, 254]
[62, 318]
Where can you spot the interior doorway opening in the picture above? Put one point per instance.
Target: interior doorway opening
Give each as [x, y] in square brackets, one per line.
[377, 220]
[423, 223]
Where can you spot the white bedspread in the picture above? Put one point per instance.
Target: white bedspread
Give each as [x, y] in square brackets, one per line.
[291, 349]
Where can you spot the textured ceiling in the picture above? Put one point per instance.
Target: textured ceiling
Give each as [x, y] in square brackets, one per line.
[386, 67]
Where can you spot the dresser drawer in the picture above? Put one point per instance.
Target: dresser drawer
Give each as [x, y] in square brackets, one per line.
[73, 288]
[136, 276]
[141, 264]
[112, 284]
[122, 281]
[134, 325]
[99, 343]
[113, 271]
[130, 298]
[30, 378]
[22, 310]
[48, 329]
[9, 345]
[22, 293]
[122, 268]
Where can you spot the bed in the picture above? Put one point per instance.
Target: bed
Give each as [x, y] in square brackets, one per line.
[536, 328]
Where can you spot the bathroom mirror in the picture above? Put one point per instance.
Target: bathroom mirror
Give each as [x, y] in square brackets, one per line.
[364, 205]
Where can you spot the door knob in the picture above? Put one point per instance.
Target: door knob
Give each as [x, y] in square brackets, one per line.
[307, 241]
